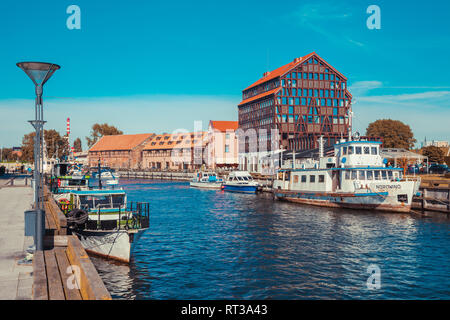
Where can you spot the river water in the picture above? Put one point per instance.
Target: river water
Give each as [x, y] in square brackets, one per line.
[205, 244]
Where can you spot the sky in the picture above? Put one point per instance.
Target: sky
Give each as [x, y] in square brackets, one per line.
[157, 66]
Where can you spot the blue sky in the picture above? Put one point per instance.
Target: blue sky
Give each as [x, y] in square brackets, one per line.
[153, 66]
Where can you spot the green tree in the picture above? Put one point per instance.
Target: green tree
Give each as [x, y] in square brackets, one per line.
[100, 130]
[56, 145]
[395, 134]
[77, 145]
[434, 154]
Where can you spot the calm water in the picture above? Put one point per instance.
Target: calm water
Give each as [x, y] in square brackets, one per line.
[215, 245]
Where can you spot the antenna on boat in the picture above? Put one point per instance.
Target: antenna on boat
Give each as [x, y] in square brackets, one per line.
[99, 175]
[321, 147]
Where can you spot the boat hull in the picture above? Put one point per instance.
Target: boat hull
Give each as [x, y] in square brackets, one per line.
[366, 201]
[112, 244]
[240, 188]
[206, 185]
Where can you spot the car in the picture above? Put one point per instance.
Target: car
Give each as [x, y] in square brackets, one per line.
[438, 168]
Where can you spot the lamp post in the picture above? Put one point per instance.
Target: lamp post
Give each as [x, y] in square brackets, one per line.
[39, 73]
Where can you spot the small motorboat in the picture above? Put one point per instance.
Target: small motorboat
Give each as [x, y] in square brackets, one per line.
[206, 180]
[240, 181]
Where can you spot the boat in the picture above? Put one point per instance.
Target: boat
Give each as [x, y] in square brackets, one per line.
[356, 177]
[206, 180]
[240, 181]
[105, 223]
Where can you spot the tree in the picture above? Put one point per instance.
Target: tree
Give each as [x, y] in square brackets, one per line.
[395, 134]
[56, 145]
[77, 145]
[100, 130]
[434, 154]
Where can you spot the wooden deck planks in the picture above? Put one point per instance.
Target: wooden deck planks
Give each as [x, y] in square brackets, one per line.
[68, 278]
[40, 277]
[55, 286]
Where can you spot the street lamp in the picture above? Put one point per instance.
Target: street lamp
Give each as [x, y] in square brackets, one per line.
[39, 73]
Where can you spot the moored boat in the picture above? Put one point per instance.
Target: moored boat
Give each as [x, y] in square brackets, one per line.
[355, 177]
[240, 181]
[206, 180]
[105, 223]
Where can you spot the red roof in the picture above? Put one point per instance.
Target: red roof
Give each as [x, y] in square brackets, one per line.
[261, 95]
[281, 70]
[120, 142]
[224, 125]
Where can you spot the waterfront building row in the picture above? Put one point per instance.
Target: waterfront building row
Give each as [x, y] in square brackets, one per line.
[180, 150]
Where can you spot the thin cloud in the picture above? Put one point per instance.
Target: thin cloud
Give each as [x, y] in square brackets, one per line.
[135, 114]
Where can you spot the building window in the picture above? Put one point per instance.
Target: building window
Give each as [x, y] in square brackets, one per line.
[227, 136]
[227, 148]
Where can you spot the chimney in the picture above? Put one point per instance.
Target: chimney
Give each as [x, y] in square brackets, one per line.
[266, 74]
[297, 60]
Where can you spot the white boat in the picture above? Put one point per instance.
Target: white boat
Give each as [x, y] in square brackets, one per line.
[355, 177]
[240, 181]
[104, 223]
[206, 180]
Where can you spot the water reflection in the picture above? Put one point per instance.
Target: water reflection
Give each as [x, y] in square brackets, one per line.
[216, 245]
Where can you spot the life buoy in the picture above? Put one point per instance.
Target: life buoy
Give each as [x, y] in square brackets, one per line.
[59, 183]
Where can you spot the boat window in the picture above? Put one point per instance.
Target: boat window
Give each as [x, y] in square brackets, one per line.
[377, 174]
[400, 175]
[361, 174]
[86, 201]
[303, 178]
[366, 150]
[383, 175]
[296, 179]
[353, 174]
[118, 200]
[321, 178]
[358, 150]
[374, 150]
[347, 175]
[245, 178]
[350, 150]
[102, 201]
[369, 175]
[344, 150]
[389, 175]
[312, 178]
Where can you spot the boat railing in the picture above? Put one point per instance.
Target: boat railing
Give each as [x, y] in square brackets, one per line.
[140, 212]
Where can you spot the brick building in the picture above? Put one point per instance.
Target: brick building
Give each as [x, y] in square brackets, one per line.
[303, 100]
[119, 151]
[180, 151]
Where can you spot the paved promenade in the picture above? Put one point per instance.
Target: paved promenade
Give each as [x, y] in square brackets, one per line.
[15, 280]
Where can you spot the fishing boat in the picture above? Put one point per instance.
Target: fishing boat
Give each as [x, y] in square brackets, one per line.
[105, 223]
[355, 177]
[206, 180]
[240, 181]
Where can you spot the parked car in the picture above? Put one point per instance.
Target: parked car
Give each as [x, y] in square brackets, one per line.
[438, 168]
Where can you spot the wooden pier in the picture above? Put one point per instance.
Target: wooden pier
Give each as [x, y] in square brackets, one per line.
[435, 196]
[63, 271]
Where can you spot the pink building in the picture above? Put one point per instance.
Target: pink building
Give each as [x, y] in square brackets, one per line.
[222, 144]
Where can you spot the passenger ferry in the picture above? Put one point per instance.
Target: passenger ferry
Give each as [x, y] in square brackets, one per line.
[355, 177]
[104, 222]
[240, 181]
[206, 180]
